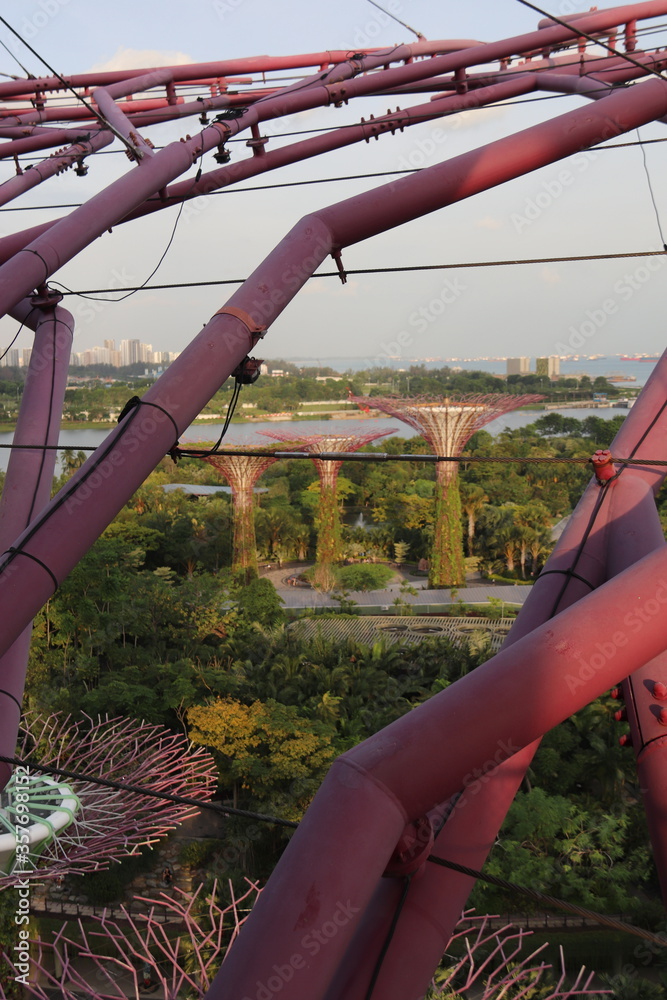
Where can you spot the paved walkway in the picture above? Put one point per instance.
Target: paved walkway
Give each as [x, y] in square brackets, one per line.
[476, 592]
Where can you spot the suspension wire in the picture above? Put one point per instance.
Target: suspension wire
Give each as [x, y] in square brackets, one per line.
[355, 456]
[240, 190]
[287, 184]
[652, 194]
[398, 21]
[601, 918]
[125, 786]
[405, 269]
[279, 821]
[27, 72]
[359, 456]
[407, 881]
[97, 114]
[176, 452]
[571, 26]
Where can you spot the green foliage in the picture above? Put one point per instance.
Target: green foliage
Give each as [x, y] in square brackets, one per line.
[106, 886]
[633, 987]
[258, 601]
[153, 623]
[364, 576]
[553, 844]
[358, 576]
[447, 565]
[266, 749]
[198, 853]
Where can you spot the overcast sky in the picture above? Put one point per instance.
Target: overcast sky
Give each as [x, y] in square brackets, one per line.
[534, 310]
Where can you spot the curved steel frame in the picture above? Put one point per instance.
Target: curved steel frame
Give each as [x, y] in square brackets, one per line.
[327, 907]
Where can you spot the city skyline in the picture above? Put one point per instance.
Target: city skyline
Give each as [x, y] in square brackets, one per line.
[130, 352]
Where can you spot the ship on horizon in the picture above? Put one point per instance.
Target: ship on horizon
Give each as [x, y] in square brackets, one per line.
[640, 357]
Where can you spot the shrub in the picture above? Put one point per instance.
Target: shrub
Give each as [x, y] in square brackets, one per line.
[364, 577]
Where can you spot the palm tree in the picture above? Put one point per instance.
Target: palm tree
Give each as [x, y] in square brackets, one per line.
[473, 499]
[534, 521]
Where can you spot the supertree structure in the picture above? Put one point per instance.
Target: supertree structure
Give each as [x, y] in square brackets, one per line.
[329, 547]
[447, 424]
[242, 472]
[182, 938]
[101, 824]
[592, 618]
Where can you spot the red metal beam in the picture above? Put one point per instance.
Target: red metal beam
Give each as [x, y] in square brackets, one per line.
[29, 477]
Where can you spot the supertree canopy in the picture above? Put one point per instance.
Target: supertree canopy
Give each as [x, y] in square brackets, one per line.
[182, 939]
[329, 546]
[52, 825]
[447, 425]
[242, 472]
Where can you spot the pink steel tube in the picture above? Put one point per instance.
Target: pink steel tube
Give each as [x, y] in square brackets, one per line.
[55, 245]
[68, 236]
[315, 95]
[58, 162]
[30, 139]
[437, 897]
[217, 70]
[52, 165]
[208, 361]
[114, 117]
[273, 159]
[645, 691]
[345, 841]
[56, 541]
[29, 477]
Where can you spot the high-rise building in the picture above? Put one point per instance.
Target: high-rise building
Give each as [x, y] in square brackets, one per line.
[549, 367]
[11, 358]
[518, 366]
[130, 352]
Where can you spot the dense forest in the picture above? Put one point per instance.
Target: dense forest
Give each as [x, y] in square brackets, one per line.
[98, 393]
[153, 623]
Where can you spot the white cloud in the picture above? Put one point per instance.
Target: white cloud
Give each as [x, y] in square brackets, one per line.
[141, 59]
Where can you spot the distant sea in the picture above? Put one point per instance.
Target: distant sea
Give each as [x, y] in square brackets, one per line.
[249, 433]
[611, 365]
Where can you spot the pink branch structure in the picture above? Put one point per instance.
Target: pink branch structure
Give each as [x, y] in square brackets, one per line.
[180, 942]
[609, 569]
[176, 945]
[447, 425]
[111, 823]
[329, 549]
[242, 472]
[494, 965]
